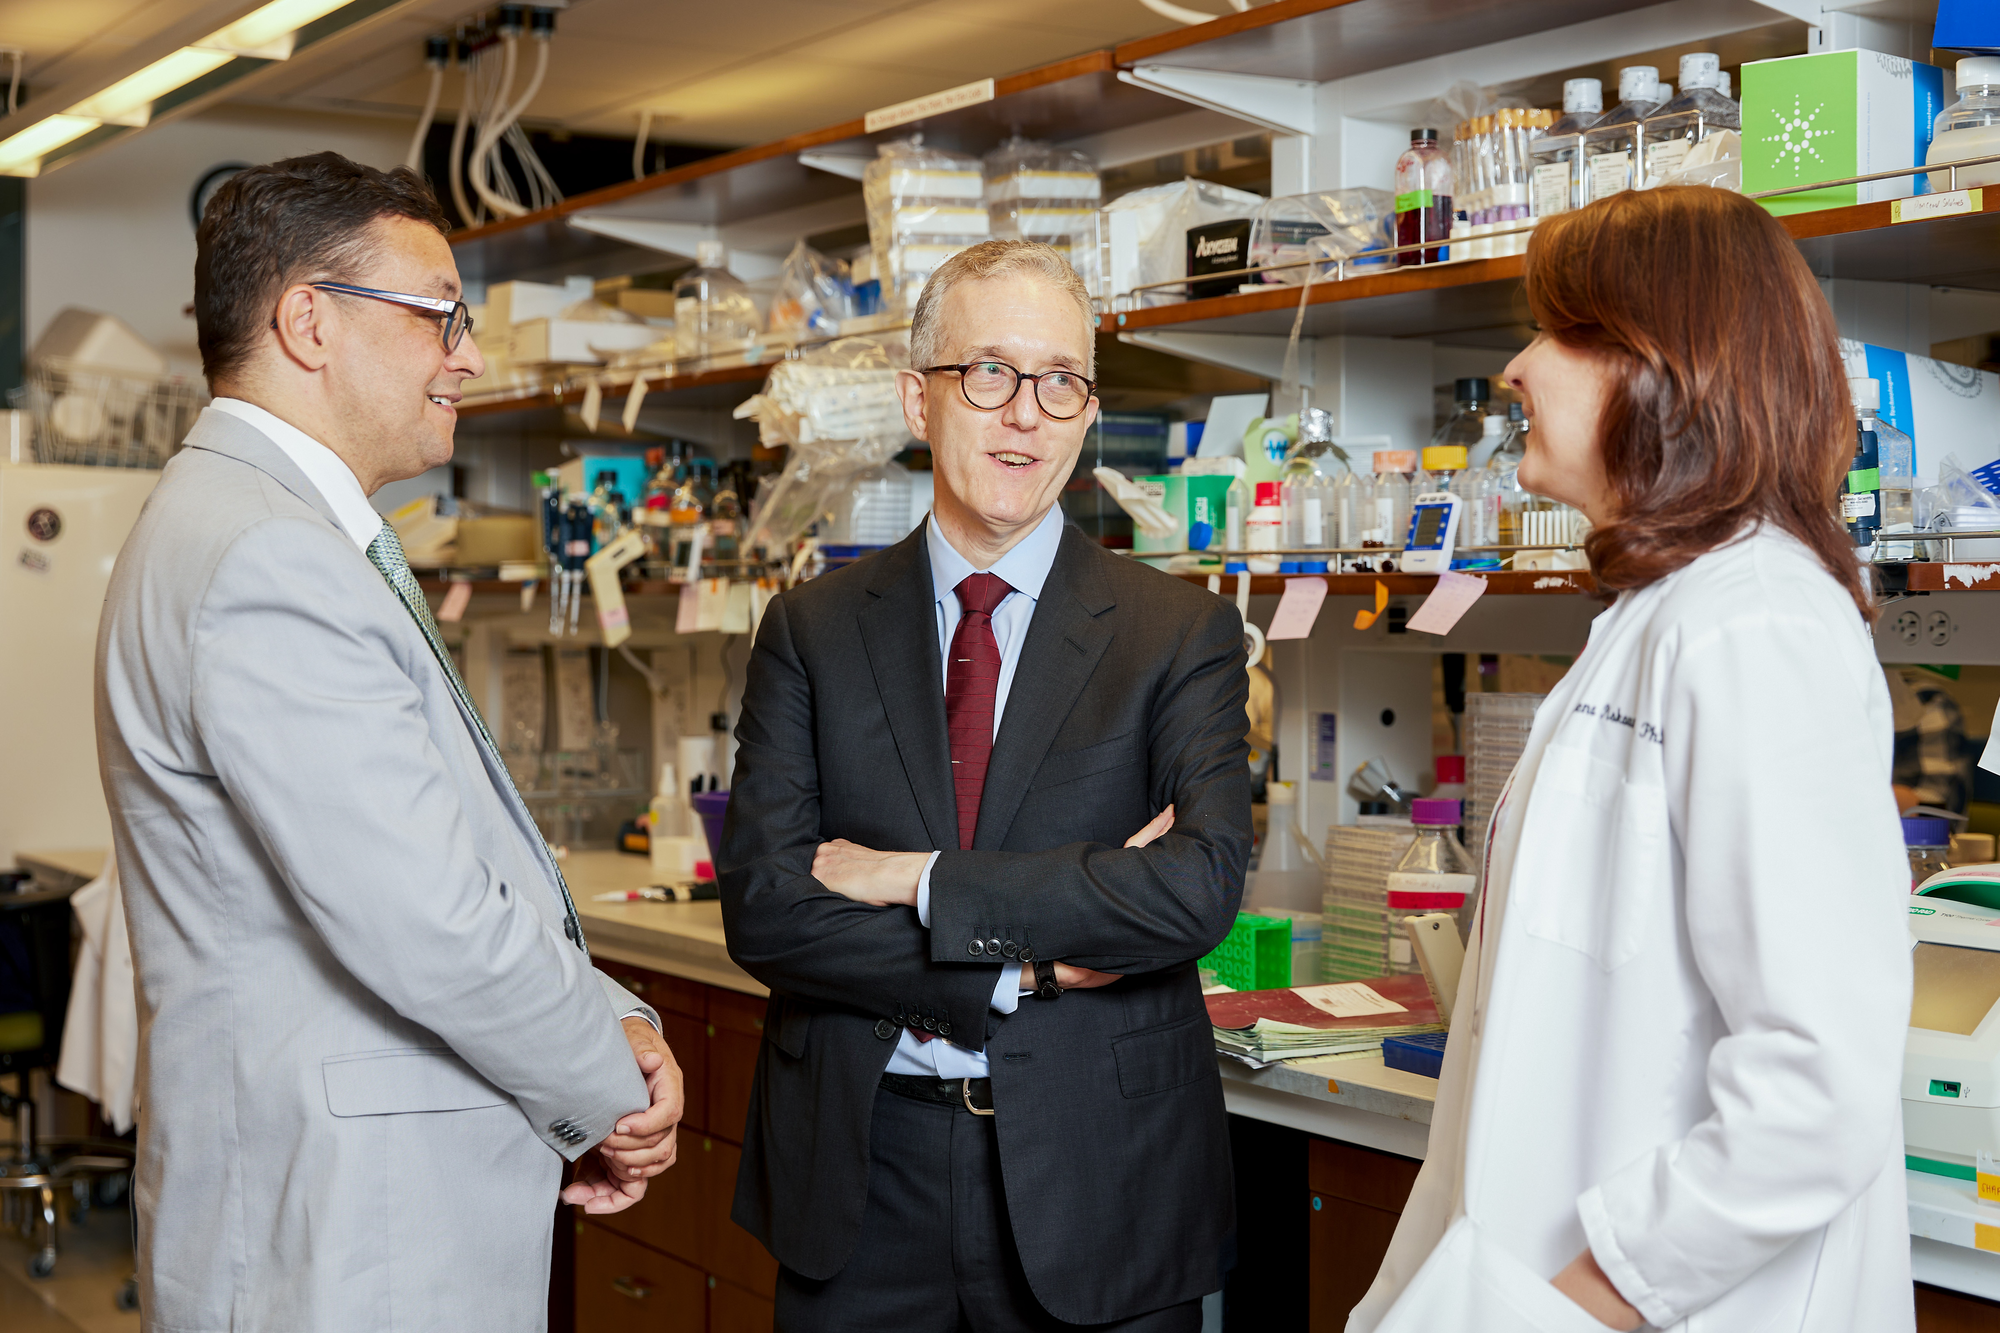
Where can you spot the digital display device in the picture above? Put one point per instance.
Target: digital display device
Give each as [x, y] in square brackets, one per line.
[1433, 532]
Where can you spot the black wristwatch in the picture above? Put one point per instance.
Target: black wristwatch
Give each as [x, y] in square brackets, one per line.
[1045, 980]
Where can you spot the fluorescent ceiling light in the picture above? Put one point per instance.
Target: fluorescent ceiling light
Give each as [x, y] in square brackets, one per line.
[21, 154]
[130, 100]
[267, 32]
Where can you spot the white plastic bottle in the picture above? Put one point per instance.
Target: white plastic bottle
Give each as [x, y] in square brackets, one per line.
[1391, 518]
[1969, 127]
[1264, 529]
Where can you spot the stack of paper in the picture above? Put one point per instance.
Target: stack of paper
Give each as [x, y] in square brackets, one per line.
[1305, 1022]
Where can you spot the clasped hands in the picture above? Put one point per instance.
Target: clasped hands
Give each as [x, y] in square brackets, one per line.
[890, 879]
[612, 1176]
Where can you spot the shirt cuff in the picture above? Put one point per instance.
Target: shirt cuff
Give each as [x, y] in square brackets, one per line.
[924, 899]
[1007, 991]
[640, 1011]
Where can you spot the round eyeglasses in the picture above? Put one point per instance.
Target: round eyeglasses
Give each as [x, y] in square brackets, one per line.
[991, 385]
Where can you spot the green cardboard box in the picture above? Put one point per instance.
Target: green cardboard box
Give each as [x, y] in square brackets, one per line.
[1834, 115]
[1190, 500]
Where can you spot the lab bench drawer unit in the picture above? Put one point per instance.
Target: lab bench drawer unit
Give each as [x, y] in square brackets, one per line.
[1357, 1196]
[690, 1266]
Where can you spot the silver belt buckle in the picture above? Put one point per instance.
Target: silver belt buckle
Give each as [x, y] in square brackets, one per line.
[965, 1092]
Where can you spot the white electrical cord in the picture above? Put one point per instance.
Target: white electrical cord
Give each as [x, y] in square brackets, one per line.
[1179, 15]
[465, 66]
[414, 160]
[639, 145]
[16, 54]
[492, 124]
[485, 153]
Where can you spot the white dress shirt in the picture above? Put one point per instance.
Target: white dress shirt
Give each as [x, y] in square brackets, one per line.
[1024, 569]
[325, 469]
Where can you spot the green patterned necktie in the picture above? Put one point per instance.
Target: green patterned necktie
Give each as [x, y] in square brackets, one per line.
[386, 554]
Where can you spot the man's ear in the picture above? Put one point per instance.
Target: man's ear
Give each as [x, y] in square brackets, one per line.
[302, 326]
[910, 388]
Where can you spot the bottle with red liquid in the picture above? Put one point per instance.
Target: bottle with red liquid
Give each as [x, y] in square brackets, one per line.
[1423, 198]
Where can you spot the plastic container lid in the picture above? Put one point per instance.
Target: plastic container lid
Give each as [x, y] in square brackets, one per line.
[1450, 768]
[711, 254]
[1581, 95]
[1663, 92]
[1974, 71]
[1925, 831]
[1424, 810]
[1635, 82]
[1268, 494]
[1444, 458]
[1280, 793]
[1423, 136]
[1395, 460]
[1698, 70]
[1865, 392]
[1472, 389]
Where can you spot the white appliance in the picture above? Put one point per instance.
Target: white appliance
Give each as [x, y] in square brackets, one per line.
[60, 530]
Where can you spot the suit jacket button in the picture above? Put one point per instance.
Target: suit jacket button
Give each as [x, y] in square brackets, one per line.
[975, 948]
[1027, 954]
[944, 1029]
[993, 947]
[1009, 948]
[930, 1025]
[884, 1029]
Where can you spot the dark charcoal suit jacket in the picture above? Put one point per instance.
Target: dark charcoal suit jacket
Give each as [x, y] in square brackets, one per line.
[1129, 695]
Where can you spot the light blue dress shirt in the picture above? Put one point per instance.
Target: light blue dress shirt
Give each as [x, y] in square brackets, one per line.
[1024, 569]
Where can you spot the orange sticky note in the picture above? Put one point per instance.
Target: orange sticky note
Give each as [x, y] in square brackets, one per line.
[456, 598]
[1363, 619]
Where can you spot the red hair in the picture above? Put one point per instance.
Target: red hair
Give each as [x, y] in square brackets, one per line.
[1729, 402]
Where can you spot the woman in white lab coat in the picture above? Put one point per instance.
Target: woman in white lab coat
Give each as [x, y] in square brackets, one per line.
[1671, 1094]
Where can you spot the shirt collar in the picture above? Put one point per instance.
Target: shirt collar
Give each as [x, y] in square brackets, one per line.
[325, 469]
[1025, 568]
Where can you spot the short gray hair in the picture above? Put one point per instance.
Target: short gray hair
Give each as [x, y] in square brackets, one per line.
[996, 259]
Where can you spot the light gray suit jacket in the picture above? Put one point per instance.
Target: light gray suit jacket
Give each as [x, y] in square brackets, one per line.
[362, 1028]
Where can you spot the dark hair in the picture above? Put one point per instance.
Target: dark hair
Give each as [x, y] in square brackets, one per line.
[285, 222]
[1729, 402]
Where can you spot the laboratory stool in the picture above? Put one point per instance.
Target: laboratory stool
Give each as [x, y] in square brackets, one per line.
[34, 996]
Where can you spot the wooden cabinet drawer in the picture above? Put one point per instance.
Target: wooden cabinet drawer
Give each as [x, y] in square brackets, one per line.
[671, 1216]
[687, 1038]
[666, 994]
[1377, 1179]
[732, 1068]
[734, 1310]
[733, 1011]
[734, 1255]
[1356, 1196]
[622, 1287]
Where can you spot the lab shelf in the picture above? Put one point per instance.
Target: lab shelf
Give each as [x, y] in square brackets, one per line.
[1479, 302]
[1957, 576]
[1537, 582]
[1067, 100]
[724, 387]
[1319, 40]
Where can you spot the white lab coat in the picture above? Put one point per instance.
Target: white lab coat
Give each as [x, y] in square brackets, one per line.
[1679, 1034]
[100, 1046]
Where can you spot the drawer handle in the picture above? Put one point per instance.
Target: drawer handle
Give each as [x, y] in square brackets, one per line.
[633, 984]
[631, 1287]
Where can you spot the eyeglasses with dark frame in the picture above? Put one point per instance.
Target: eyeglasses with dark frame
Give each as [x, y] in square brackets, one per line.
[990, 385]
[456, 319]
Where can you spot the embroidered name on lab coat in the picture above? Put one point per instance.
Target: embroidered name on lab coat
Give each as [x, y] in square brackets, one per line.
[1613, 713]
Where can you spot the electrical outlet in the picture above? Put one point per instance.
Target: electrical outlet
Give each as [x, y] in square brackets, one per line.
[1938, 628]
[1908, 627]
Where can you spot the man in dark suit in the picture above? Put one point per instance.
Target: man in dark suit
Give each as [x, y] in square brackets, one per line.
[928, 1148]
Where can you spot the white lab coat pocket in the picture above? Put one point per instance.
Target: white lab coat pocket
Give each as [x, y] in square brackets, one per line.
[1473, 1284]
[1594, 857]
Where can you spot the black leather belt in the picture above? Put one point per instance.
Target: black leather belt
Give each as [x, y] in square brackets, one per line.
[970, 1094]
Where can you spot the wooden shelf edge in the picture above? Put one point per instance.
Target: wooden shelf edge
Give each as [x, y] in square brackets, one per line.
[1957, 576]
[1534, 582]
[1417, 278]
[1132, 53]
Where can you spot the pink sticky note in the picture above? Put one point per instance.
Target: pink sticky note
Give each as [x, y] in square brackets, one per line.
[1298, 608]
[1453, 597]
[688, 614]
[456, 598]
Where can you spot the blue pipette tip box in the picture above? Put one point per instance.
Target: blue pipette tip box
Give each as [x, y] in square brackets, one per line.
[1419, 1053]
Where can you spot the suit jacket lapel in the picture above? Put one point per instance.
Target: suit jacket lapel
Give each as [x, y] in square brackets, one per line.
[1065, 641]
[899, 632]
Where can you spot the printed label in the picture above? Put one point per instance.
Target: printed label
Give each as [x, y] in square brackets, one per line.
[1421, 892]
[1314, 525]
[1413, 200]
[1552, 192]
[1610, 173]
[951, 99]
[1664, 158]
[1858, 506]
[1987, 1176]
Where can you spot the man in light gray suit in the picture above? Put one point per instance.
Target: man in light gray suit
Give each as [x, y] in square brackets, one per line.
[370, 1033]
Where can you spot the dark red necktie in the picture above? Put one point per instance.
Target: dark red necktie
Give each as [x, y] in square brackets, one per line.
[971, 686]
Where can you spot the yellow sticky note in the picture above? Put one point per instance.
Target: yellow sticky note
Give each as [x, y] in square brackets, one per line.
[1985, 1237]
[1987, 1174]
[1363, 619]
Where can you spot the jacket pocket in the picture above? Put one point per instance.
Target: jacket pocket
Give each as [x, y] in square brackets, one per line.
[1159, 1058]
[1075, 765]
[1594, 859]
[397, 1082]
[786, 1023]
[1473, 1284]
